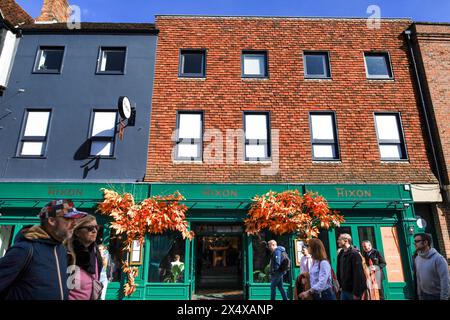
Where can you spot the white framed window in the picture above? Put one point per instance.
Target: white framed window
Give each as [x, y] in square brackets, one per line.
[112, 60]
[390, 136]
[49, 59]
[254, 64]
[378, 65]
[189, 136]
[257, 136]
[103, 132]
[324, 136]
[34, 133]
[317, 65]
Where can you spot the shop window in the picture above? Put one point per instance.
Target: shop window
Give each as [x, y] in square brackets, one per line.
[49, 60]
[34, 137]
[189, 136]
[257, 137]
[324, 136]
[262, 255]
[167, 258]
[192, 63]
[378, 65]
[254, 64]
[116, 255]
[6, 234]
[366, 234]
[112, 61]
[390, 136]
[317, 65]
[103, 133]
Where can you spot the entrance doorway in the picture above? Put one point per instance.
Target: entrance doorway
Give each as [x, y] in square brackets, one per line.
[218, 267]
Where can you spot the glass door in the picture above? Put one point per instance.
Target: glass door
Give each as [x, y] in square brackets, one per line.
[6, 238]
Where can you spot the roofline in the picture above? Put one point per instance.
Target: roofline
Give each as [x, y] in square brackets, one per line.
[274, 17]
[432, 23]
[50, 29]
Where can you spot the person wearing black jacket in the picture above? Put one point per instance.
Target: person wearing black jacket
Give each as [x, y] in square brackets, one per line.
[376, 263]
[350, 273]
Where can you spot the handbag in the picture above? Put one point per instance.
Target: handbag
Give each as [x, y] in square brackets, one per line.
[97, 286]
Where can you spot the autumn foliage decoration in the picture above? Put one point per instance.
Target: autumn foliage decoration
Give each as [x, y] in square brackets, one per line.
[154, 215]
[290, 212]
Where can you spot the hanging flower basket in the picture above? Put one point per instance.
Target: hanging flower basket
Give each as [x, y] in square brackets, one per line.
[154, 215]
[290, 212]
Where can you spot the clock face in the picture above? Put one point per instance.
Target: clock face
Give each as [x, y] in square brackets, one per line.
[124, 107]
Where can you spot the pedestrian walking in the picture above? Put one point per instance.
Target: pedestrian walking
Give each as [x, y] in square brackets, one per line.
[306, 260]
[35, 267]
[85, 261]
[321, 277]
[376, 264]
[105, 274]
[431, 273]
[350, 272]
[279, 266]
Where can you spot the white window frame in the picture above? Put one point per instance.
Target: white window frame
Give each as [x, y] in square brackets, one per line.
[400, 143]
[334, 143]
[257, 142]
[102, 139]
[198, 142]
[24, 138]
[387, 56]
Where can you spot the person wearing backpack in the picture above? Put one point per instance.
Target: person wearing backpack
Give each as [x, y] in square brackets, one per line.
[321, 274]
[35, 267]
[279, 266]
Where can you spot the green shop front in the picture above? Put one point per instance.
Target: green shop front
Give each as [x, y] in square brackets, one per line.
[222, 261]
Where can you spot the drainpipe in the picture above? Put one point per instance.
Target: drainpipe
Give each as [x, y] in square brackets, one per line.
[424, 109]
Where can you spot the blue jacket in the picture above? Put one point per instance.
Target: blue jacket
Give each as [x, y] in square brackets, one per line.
[276, 259]
[45, 278]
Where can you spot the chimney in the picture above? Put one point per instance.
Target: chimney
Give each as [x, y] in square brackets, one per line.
[54, 11]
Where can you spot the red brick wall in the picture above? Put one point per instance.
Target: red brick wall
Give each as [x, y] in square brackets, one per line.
[288, 96]
[442, 225]
[54, 10]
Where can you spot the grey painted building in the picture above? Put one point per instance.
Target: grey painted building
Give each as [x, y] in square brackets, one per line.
[58, 116]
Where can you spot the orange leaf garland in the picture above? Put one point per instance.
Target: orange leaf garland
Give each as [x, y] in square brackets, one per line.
[289, 212]
[154, 215]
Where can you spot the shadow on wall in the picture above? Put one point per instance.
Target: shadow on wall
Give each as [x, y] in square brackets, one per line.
[83, 153]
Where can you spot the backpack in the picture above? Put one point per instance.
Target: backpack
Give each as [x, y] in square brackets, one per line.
[285, 264]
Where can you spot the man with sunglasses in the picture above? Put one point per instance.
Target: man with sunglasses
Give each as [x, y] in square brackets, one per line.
[35, 267]
[431, 273]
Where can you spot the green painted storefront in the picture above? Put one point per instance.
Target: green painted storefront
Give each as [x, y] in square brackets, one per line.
[383, 214]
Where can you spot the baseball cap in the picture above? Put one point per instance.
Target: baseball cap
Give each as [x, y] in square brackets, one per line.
[61, 208]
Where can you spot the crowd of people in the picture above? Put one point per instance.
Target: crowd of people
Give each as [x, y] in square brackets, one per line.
[61, 260]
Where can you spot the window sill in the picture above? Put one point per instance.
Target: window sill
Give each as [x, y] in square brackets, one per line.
[262, 162]
[187, 162]
[380, 79]
[46, 72]
[396, 161]
[110, 73]
[255, 78]
[318, 79]
[30, 157]
[327, 162]
[199, 78]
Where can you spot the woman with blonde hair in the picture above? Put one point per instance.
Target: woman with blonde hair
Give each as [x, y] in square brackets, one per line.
[320, 274]
[85, 261]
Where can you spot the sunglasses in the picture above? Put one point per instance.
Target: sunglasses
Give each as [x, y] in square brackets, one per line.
[417, 241]
[90, 228]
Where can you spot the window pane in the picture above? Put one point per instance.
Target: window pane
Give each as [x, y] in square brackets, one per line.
[50, 59]
[254, 64]
[32, 148]
[190, 126]
[377, 65]
[192, 63]
[6, 233]
[262, 255]
[37, 123]
[187, 150]
[113, 60]
[316, 65]
[390, 151]
[324, 151]
[101, 148]
[367, 234]
[387, 127]
[256, 151]
[322, 127]
[104, 124]
[167, 257]
[256, 126]
[116, 256]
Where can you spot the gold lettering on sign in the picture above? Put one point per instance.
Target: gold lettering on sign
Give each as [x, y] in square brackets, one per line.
[64, 192]
[358, 193]
[227, 193]
[391, 247]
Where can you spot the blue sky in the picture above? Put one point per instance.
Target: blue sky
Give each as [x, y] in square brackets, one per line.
[144, 10]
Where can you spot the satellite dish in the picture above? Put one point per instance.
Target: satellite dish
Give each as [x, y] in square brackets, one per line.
[124, 106]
